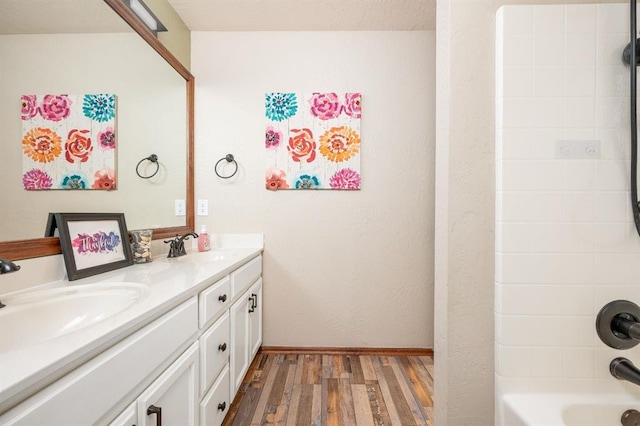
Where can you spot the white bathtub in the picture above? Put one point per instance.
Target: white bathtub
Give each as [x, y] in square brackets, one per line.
[566, 409]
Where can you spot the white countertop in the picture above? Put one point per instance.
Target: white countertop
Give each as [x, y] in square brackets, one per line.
[171, 282]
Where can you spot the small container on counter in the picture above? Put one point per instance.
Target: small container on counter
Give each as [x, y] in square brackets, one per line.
[204, 243]
[141, 245]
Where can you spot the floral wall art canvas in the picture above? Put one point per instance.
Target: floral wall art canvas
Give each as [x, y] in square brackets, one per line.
[69, 141]
[313, 140]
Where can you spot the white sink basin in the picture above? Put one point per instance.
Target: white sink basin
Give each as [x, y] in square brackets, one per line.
[37, 316]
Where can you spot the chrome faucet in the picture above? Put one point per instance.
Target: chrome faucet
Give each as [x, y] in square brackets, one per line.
[176, 246]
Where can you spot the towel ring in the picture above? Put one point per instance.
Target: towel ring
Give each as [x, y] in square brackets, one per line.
[229, 158]
[154, 159]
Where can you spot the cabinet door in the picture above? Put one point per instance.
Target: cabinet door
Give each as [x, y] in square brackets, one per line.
[239, 313]
[255, 319]
[173, 398]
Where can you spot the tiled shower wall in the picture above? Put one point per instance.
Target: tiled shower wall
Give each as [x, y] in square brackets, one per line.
[565, 241]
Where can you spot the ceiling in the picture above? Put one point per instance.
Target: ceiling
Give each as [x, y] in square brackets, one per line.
[307, 15]
[59, 16]
[82, 16]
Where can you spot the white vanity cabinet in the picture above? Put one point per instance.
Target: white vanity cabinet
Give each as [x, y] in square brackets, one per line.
[182, 369]
[88, 394]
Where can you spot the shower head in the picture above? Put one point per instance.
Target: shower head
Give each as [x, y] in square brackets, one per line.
[626, 53]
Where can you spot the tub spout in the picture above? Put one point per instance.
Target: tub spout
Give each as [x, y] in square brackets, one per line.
[623, 369]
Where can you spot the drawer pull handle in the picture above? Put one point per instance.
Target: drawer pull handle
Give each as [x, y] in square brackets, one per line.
[252, 307]
[157, 411]
[222, 406]
[222, 298]
[222, 347]
[254, 302]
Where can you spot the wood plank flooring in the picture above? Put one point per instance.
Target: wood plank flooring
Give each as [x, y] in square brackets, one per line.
[335, 390]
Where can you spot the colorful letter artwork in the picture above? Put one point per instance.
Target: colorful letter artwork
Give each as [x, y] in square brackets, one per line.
[313, 140]
[99, 242]
[69, 142]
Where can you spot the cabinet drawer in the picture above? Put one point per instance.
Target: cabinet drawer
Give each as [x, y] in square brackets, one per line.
[214, 351]
[246, 275]
[213, 300]
[113, 374]
[215, 405]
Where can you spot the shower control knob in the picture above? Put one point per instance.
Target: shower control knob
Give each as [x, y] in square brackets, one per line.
[630, 418]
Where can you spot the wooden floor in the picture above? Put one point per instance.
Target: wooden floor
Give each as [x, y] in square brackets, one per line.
[335, 390]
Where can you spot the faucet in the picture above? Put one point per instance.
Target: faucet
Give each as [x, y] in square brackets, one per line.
[6, 267]
[176, 246]
[623, 369]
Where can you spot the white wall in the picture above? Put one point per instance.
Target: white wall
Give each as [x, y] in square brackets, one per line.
[565, 240]
[352, 268]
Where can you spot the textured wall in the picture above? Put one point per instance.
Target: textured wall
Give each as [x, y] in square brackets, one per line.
[470, 219]
[340, 268]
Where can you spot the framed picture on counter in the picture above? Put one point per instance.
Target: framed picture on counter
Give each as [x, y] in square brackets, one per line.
[93, 243]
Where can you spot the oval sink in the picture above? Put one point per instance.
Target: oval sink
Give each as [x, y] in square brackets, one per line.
[37, 316]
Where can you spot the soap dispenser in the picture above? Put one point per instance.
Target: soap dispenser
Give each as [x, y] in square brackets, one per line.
[203, 239]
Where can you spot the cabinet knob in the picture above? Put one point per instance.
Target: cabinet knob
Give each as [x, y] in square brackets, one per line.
[222, 406]
[157, 411]
[222, 347]
[222, 298]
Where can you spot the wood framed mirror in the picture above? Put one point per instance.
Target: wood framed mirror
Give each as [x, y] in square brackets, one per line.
[17, 249]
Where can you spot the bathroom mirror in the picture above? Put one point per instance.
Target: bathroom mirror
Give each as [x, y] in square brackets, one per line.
[95, 46]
